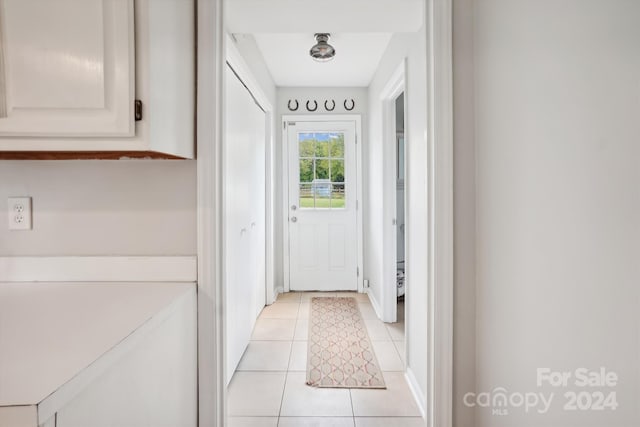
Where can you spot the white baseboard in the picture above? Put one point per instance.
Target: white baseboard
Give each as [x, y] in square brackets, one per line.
[418, 394]
[99, 269]
[375, 304]
[277, 291]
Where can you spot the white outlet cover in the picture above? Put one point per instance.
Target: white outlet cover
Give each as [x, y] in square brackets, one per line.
[19, 213]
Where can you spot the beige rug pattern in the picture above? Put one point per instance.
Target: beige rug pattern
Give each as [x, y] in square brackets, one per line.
[339, 351]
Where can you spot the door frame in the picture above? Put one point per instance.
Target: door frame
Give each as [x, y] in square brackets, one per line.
[439, 332]
[394, 87]
[357, 119]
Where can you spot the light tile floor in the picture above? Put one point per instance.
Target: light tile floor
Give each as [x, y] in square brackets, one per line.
[269, 390]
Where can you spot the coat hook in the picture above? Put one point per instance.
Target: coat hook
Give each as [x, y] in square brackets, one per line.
[333, 105]
[315, 103]
[296, 107]
[353, 105]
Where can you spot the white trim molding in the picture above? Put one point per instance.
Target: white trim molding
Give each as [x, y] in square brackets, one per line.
[99, 269]
[439, 394]
[377, 305]
[395, 86]
[210, 102]
[420, 399]
[241, 68]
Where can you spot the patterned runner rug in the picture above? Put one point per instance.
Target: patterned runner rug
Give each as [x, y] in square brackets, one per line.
[340, 353]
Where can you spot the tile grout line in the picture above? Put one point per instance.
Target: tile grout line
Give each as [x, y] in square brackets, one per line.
[295, 326]
[353, 412]
[286, 378]
[395, 347]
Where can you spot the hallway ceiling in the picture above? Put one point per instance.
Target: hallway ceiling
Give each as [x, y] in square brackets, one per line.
[288, 60]
[360, 32]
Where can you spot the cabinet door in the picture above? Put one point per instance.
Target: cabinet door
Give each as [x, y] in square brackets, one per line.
[66, 68]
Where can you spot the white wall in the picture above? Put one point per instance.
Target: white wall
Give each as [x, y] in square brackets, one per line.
[359, 95]
[557, 124]
[246, 45]
[464, 344]
[412, 47]
[101, 207]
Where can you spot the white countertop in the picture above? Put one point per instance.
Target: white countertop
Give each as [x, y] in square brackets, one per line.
[49, 332]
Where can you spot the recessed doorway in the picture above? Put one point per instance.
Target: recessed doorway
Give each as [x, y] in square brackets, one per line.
[395, 143]
[322, 237]
[427, 368]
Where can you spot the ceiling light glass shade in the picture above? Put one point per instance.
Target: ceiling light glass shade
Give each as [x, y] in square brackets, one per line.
[322, 51]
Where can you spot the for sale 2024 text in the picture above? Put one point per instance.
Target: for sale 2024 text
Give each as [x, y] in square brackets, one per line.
[586, 399]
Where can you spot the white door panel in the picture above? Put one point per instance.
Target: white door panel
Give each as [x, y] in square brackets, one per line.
[68, 68]
[337, 249]
[244, 218]
[323, 246]
[257, 210]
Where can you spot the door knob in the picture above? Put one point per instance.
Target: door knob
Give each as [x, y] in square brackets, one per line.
[294, 207]
[294, 219]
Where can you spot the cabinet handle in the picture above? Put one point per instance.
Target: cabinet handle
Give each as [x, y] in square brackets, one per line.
[137, 110]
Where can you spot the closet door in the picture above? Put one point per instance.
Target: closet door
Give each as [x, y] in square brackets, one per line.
[244, 158]
[257, 211]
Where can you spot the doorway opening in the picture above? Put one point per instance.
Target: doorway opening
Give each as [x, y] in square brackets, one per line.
[325, 151]
[429, 81]
[393, 102]
[400, 178]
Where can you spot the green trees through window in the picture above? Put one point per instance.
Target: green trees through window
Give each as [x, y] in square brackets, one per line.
[321, 170]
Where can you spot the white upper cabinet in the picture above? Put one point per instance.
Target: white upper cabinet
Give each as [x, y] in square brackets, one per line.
[68, 68]
[71, 72]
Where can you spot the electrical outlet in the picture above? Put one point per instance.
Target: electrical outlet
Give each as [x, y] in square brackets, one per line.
[19, 213]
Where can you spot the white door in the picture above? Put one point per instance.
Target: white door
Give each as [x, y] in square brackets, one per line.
[323, 245]
[244, 216]
[66, 68]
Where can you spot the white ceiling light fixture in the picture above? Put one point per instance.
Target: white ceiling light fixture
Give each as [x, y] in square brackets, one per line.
[322, 51]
